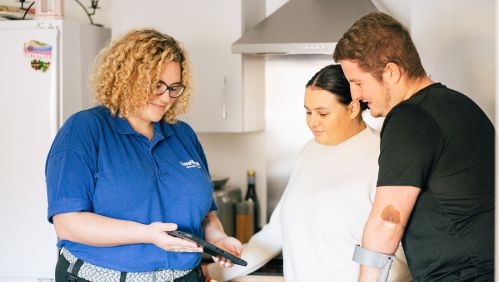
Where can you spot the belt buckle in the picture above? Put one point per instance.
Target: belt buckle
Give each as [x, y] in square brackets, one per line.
[71, 278]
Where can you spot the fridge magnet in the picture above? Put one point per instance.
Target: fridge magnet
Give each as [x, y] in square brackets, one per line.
[40, 65]
[37, 50]
[40, 53]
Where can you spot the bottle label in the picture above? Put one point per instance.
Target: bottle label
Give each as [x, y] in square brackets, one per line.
[251, 180]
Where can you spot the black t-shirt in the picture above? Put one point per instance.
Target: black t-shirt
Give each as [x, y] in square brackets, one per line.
[441, 142]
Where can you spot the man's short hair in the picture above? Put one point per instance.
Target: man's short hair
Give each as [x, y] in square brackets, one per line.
[377, 39]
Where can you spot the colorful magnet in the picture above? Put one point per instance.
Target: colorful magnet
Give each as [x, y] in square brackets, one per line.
[40, 65]
[37, 50]
[40, 53]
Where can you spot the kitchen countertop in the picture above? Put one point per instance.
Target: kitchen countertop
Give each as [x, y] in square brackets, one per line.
[270, 272]
[259, 278]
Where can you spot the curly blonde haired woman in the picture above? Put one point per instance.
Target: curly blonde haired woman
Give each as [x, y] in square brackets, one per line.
[123, 173]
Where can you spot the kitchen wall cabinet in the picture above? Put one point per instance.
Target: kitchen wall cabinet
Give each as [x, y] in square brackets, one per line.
[228, 91]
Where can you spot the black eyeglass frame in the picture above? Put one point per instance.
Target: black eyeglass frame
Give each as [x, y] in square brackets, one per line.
[171, 88]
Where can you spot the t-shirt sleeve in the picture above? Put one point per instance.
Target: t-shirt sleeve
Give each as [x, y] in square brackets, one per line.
[69, 184]
[70, 169]
[410, 141]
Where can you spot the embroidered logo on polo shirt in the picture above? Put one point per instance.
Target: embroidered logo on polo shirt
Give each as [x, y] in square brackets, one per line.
[190, 164]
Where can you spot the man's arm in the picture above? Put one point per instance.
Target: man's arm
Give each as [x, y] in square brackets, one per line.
[386, 224]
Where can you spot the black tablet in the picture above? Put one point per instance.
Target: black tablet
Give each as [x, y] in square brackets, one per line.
[208, 247]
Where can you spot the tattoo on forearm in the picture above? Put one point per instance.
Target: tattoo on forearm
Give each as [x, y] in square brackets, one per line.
[390, 214]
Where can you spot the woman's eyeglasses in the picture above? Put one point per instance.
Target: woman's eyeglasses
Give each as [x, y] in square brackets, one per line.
[174, 90]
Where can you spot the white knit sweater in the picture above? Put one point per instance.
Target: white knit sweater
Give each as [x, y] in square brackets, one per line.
[321, 215]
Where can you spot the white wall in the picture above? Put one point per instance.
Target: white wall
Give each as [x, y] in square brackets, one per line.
[232, 154]
[272, 5]
[399, 9]
[456, 42]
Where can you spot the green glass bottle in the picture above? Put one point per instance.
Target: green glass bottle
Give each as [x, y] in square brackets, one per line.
[251, 196]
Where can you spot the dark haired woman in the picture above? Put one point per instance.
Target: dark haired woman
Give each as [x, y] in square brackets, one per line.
[322, 212]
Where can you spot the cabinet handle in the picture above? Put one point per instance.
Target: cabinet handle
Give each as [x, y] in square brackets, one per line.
[224, 108]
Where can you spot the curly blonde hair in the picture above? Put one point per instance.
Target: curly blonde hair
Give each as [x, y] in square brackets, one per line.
[127, 70]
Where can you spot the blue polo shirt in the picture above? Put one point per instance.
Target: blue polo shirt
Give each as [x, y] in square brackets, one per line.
[99, 164]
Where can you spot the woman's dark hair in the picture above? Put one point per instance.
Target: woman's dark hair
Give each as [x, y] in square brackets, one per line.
[331, 78]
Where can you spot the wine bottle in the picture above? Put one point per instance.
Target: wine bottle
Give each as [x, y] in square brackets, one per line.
[251, 196]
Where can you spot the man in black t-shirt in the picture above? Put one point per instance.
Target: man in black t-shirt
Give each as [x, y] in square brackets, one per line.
[436, 167]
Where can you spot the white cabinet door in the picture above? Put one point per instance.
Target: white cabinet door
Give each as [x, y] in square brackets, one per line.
[207, 30]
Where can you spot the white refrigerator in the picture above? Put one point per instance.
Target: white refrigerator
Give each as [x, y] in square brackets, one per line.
[44, 70]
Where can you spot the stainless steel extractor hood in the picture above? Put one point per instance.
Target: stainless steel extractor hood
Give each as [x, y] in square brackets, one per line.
[303, 27]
